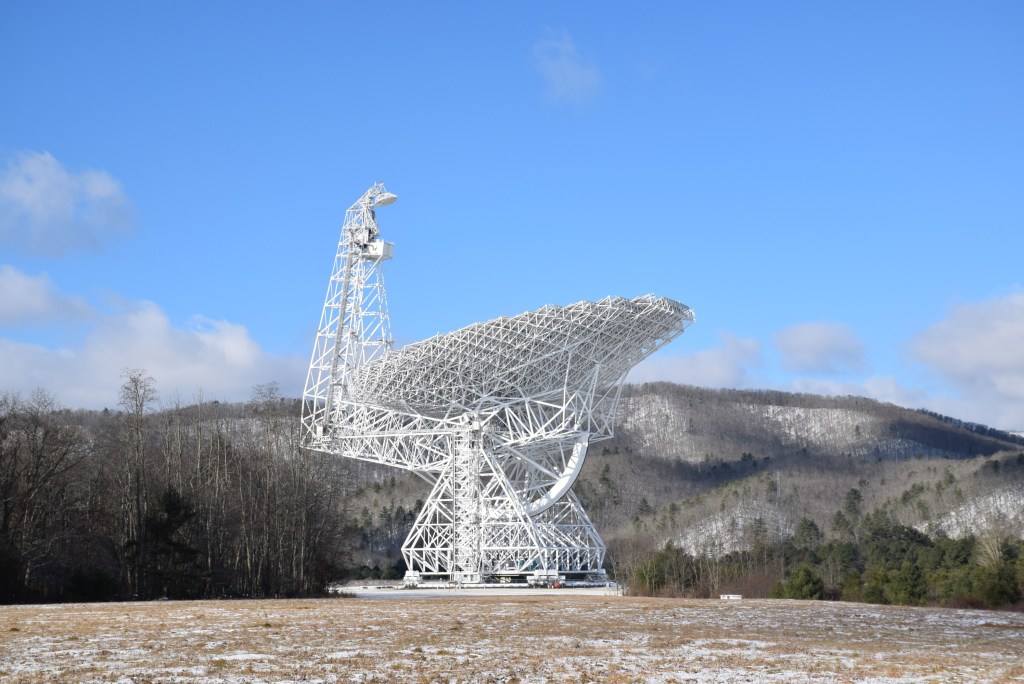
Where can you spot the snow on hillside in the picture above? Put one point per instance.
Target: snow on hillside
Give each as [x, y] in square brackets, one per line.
[1002, 510]
[814, 425]
[839, 430]
[692, 423]
[736, 530]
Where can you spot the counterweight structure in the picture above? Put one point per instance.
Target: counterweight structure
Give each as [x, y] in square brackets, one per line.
[497, 416]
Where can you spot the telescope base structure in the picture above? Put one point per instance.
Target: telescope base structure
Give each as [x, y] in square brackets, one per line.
[474, 528]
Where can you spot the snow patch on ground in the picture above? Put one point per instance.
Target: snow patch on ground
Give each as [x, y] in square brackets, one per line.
[529, 638]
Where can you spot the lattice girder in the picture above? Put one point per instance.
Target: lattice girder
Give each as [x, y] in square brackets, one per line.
[497, 415]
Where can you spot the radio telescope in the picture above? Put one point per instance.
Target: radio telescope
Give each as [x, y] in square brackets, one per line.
[497, 416]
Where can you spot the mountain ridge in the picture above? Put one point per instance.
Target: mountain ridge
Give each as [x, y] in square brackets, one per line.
[705, 464]
[686, 458]
[213, 499]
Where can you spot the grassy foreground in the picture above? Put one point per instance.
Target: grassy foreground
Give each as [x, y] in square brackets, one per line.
[552, 638]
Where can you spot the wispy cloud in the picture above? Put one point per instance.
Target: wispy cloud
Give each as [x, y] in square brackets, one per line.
[568, 76]
[827, 348]
[29, 300]
[46, 209]
[728, 365]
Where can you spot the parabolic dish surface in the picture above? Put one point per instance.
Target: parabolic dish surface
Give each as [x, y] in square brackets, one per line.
[535, 354]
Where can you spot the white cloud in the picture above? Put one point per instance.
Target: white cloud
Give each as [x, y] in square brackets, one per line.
[217, 356]
[979, 350]
[724, 366]
[976, 354]
[46, 209]
[26, 299]
[820, 348]
[567, 75]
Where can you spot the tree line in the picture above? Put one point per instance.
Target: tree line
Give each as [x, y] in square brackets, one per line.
[193, 500]
[205, 499]
[870, 558]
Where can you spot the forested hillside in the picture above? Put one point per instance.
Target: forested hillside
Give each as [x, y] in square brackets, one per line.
[158, 497]
[746, 486]
[685, 456]
[694, 425]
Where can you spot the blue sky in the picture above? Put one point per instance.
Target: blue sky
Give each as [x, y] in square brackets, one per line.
[836, 190]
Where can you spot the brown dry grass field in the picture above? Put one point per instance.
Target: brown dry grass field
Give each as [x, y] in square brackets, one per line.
[509, 638]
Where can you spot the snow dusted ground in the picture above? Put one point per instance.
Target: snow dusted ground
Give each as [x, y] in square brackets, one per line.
[523, 637]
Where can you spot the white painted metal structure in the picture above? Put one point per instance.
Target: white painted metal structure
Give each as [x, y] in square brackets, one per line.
[496, 416]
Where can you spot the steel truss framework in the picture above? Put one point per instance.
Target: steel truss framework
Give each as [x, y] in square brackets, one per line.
[497, 416]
